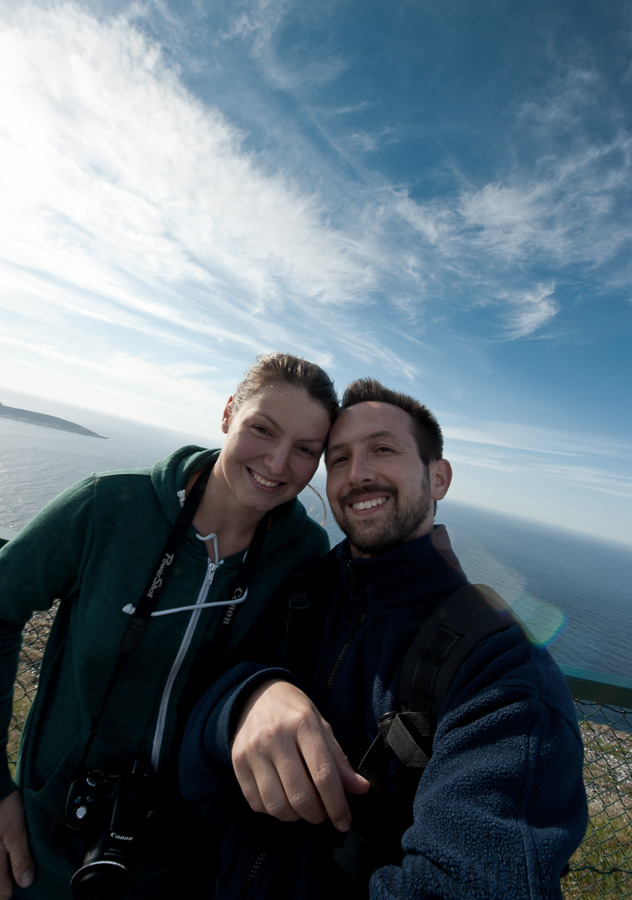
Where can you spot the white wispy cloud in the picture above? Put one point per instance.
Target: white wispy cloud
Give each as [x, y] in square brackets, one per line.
[527, 438]
[531, 311]
[593, 478]
[291, 67]
[149, 209]
[124, 166]
[600, 480]
[581, 461]
[183, 395]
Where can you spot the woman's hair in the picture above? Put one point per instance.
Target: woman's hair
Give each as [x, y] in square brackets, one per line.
[271, 368]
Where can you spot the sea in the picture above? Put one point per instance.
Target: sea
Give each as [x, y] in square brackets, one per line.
[572, 591]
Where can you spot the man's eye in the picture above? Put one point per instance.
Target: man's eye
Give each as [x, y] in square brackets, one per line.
[337, 460]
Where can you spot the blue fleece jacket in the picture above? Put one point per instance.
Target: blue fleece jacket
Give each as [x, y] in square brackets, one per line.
[501, 805]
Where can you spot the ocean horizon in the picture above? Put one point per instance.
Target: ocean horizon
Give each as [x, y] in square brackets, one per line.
[572, 590]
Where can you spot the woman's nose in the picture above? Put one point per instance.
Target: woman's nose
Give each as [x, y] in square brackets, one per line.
[276, 459]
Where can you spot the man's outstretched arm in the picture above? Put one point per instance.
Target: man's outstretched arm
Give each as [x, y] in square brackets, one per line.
[287, 760]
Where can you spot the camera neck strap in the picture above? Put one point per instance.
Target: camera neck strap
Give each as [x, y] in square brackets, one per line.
[142, 614]
[155, 586]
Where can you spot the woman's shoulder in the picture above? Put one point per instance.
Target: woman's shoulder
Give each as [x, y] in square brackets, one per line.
[293, 526]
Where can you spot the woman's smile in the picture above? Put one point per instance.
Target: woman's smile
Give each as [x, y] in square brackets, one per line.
[263, 481]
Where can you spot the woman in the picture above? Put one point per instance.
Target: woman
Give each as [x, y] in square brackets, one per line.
[198, 595]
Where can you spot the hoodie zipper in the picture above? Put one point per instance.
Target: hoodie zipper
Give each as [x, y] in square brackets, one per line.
[175, 668]
[252, 874]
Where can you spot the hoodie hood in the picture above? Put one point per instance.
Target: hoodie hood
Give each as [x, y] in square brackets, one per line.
[171, 474]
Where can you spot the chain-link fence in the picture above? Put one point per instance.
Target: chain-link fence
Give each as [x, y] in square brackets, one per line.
[601, 867]
[33, 644]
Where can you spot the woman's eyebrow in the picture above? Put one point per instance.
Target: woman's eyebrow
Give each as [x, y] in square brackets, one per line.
[275, 424]
[269, 418]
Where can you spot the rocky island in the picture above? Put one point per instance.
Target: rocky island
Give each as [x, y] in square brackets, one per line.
[44, 421]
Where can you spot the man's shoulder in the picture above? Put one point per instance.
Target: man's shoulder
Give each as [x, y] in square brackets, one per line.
[512, 664]
[462, 620]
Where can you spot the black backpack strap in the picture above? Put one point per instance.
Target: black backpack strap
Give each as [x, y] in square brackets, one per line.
[441, 646]
[445, 641]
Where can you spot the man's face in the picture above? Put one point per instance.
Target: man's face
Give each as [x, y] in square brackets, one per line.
[380, 492]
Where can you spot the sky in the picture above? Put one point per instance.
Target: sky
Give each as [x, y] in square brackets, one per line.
[435, 195]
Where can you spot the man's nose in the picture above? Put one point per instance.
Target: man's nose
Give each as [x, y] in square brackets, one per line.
[361, 469]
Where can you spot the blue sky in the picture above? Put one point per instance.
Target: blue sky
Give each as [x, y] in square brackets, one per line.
[438, 195]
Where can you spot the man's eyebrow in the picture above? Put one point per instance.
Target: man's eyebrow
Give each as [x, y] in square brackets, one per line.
[367, 437]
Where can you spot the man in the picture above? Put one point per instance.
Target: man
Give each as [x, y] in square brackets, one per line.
[501, 805]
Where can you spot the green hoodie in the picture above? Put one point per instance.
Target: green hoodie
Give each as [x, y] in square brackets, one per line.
[94, 547]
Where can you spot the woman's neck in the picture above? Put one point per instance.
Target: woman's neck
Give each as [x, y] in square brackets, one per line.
[220, 514]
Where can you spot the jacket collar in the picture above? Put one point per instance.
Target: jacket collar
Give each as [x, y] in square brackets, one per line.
[425, 567]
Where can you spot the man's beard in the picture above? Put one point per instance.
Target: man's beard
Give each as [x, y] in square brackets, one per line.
[403, 523]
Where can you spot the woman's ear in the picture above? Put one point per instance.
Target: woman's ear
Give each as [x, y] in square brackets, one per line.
[228, 411]
[440, 472]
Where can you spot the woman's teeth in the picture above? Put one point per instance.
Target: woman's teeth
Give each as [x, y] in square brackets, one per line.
[260, 480]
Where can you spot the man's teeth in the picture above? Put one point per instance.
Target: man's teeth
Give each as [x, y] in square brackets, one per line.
[262, 481]
[367, 504]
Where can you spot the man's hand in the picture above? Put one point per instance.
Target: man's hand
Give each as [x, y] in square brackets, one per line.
[15, 856]
[288, 762]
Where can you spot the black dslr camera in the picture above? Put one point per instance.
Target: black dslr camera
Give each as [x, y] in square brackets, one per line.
[111, 810]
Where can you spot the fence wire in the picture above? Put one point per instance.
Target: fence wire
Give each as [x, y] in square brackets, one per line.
[601, 867]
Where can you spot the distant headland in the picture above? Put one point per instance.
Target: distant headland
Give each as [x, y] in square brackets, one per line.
[44, 421]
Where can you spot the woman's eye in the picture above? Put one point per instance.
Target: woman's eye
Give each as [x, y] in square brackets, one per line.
[260, 429]
[307, 451]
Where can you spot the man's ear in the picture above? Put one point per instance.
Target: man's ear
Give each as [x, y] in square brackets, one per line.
[440, 478]
[228, 411]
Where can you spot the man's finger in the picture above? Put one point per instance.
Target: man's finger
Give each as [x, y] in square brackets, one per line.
[287, 760]
[274, 779]
[297, 782]
[332, 774]
[264, 790]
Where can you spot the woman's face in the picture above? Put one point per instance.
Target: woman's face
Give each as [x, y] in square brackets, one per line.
[273, 445]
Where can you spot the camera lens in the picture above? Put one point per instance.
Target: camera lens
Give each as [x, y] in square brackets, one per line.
[102, 880]
[103, 874]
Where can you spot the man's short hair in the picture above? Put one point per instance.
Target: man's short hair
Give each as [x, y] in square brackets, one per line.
[425, 428]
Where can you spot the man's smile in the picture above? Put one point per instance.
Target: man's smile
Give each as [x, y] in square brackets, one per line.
[368, 504]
